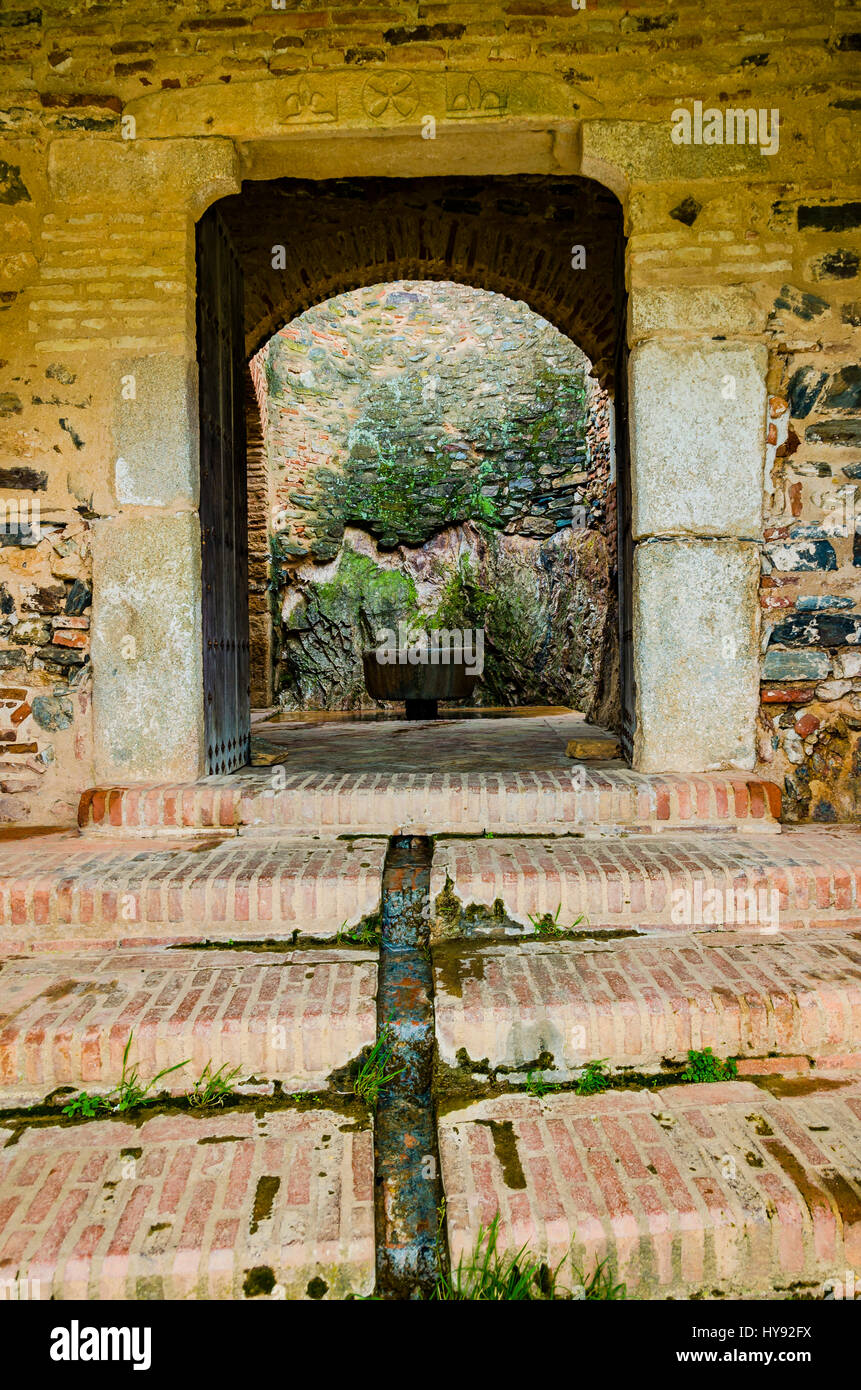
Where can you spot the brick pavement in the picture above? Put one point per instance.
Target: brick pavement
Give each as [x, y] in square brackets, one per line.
[567, 796]
[633, 1002]
[710, 1189]
[65, 1020]
[65, 891]
[650, 882]
[220, 1206]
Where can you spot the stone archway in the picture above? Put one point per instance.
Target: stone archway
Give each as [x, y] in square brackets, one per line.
[555, 244]
[696, 527]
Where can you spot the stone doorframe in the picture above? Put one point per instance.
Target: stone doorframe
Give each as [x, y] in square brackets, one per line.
[697, 460]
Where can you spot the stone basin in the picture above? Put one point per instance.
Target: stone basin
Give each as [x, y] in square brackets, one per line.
[421, 686]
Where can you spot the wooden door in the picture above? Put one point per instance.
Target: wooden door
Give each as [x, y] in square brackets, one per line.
[223, 499]
[625, 533]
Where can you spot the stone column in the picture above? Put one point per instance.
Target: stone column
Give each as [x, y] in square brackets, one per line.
[698, 427]
[141, 359]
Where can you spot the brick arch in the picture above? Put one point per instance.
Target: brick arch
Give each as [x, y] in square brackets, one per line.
[512, 235]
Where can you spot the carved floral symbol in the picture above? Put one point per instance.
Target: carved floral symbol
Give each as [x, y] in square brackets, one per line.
[392, 93]
[474, 100]
[311, 105]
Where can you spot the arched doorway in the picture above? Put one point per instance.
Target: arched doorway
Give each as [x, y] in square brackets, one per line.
[279, 247]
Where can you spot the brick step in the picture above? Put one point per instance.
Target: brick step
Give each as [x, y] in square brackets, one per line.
[717, 1189]
[293, 1018]
[808, 877]
[245, 1204]
[636, 1001]
[551, 800]
[68, 891]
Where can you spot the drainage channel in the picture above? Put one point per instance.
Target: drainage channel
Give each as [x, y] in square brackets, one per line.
[408, 1186]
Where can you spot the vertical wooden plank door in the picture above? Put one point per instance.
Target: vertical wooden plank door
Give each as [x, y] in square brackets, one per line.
[223, 499]
[625, 531]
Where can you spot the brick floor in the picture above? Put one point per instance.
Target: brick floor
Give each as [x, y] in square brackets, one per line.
[565, 797]
[65, 1020]
[187, 1207]
[716, 1188]
[68, 890]
[631, 882]
[635, 1001]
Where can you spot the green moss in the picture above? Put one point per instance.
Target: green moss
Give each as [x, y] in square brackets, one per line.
[403, 475]
[323, 641]
[360, 580]
[463, 603]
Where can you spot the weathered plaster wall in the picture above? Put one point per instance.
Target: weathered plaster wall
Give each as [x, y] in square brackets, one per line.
[724, 243]
[407, 410]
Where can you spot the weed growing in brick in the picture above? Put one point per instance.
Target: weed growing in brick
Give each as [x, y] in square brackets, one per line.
[489, 1274]
[704, 1066]
[594, 1079]
[211, 1087]
[85, 1106]
[367, 933]
[546, 926]
[599, 1285]
[537, 1086]
[129, 1094]
[372, 1075]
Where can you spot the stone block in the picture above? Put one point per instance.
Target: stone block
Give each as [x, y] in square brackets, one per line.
[696, 657]
[802, 555]
[142, 172]
[798, 665]
[695, 309]
[818, 630]
[847, 664]
[581, 748]
[155, 433]
[698, 420]
[618, 151]
[147, 648]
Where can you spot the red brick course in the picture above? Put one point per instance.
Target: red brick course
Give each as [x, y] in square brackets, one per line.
[693, 1189]
[186, 1207]
[386, 803]
[65, 1020]
[634, 1002]
[631, 882]
[71, 890]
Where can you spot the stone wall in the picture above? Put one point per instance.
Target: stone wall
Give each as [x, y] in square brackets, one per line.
[733, 256]
[45, 606]
[408, 410]
[810, 719]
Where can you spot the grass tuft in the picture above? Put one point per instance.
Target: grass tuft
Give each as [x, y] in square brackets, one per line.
[366, 933]
[372, 1076]
[130, 1092]
[544, 925]
[490, 1275]
[594, 1079]
[211, 1088]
